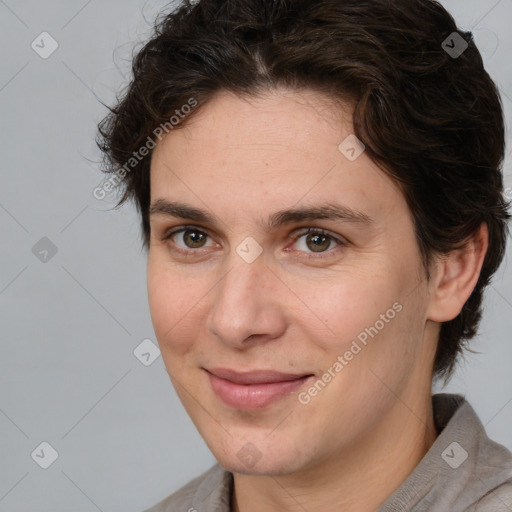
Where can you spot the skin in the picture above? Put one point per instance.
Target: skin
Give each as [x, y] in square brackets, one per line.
[291, 309]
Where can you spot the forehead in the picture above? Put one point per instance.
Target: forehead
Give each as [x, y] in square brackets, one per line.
[277, 150]
[293, 119]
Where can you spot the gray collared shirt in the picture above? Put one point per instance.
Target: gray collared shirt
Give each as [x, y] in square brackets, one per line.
[464, 471]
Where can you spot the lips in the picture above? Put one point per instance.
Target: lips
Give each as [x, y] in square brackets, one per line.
[255, 389]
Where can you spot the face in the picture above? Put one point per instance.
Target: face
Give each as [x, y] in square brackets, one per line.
[285, 283]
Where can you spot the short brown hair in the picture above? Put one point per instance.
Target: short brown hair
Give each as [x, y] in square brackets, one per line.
[432, 120]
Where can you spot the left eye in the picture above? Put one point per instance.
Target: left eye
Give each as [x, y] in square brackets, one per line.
[316, 241]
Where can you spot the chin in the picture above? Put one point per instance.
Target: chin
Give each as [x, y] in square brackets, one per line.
[269, 468]
[250, 458]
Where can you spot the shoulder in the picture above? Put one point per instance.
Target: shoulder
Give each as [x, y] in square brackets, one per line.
[463, 471]
[210, 491]
[497, 500]
[493, 477]
[475, 470]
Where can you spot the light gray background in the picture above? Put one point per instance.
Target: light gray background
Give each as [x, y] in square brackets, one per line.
[70, 325]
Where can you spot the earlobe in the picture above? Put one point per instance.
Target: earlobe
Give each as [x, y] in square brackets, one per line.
[456, 276]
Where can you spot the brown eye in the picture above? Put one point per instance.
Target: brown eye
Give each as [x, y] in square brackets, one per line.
[189, 241]
[194, 239]
[315, 243]
[318, 242]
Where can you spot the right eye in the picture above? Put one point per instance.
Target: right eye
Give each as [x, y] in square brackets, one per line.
[186, 239]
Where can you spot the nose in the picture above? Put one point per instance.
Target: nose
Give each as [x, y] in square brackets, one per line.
[246, 306]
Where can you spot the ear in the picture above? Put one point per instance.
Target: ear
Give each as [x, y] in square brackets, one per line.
[455, 277]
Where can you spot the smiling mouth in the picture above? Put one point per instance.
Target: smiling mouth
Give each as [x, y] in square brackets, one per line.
[255, 389]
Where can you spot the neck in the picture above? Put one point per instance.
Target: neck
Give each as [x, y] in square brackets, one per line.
[359, 479]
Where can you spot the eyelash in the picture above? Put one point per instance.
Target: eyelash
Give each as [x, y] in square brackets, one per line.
[309, 231]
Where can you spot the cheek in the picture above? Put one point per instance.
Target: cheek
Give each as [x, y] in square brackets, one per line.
[371, 319]
[172, 304]
[337, 309]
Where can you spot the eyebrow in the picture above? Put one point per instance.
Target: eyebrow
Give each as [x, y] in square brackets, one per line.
[328, 211]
